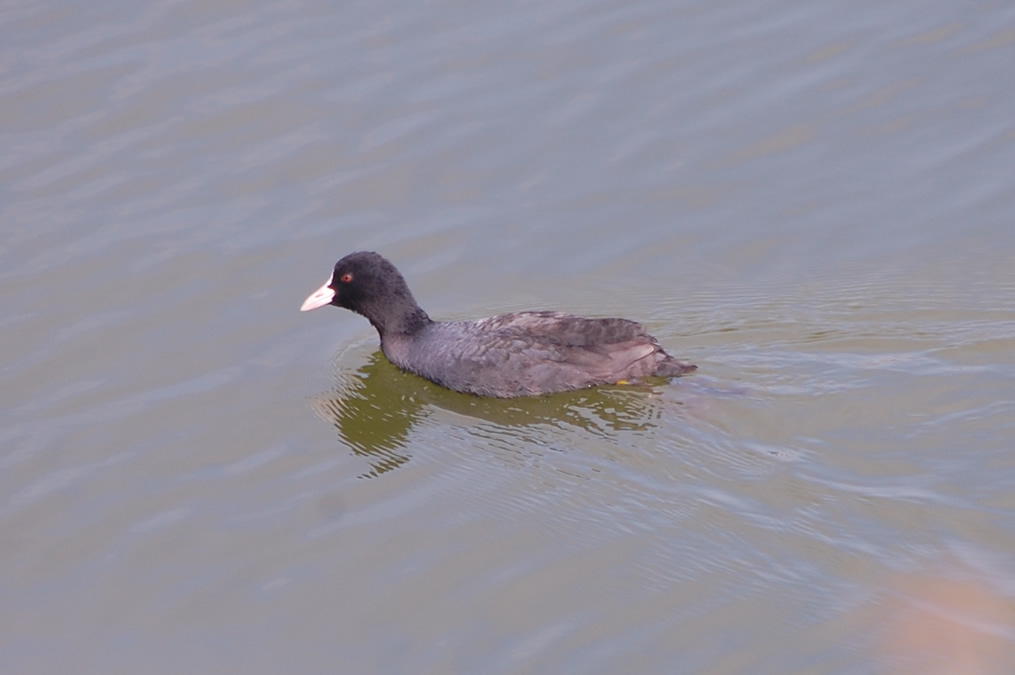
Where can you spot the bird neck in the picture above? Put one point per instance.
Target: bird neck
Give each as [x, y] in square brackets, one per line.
[408, 322]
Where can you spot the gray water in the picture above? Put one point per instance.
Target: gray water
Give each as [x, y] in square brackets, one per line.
[814, 202]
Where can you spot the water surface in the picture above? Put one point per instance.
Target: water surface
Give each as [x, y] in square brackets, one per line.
[812, 202]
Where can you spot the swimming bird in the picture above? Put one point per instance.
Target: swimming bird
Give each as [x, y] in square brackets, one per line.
[517, 354]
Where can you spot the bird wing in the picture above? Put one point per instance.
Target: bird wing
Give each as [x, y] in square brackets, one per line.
[567, 329]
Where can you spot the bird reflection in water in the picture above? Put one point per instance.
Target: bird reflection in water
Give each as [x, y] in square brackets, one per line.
[375, 409]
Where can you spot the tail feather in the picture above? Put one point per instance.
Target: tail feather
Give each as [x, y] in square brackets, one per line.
[670, 367]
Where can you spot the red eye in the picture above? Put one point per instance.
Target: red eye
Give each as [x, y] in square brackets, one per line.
[346, 278]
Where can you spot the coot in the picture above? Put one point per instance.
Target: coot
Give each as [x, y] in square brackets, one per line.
[519, 354]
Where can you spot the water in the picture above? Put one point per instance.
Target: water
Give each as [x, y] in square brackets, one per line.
[811, 202]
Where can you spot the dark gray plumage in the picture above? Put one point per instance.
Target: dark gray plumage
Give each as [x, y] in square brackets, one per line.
[518, 354]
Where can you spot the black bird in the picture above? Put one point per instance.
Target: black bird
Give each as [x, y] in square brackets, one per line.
[519, 354]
